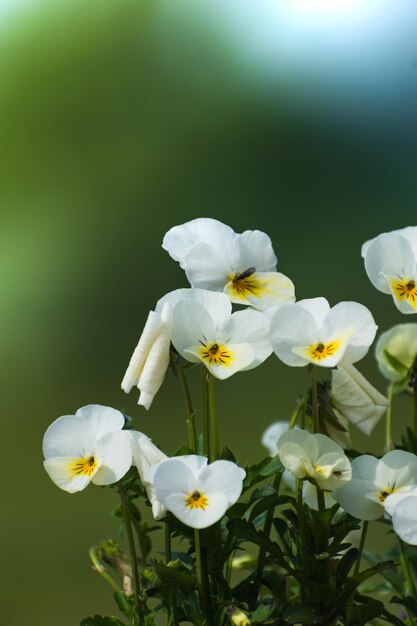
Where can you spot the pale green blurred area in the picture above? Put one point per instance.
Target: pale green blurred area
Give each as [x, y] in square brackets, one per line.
[119, 120]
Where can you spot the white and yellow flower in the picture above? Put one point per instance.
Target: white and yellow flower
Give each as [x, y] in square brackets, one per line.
[396, 351]
[355, 399]
[204, 330]
[150, 359]
[314, 457]
[146, 455]
[242, 265]
[378, 485]
[309, 331]
[404, 520]
[89, 446]
[391, 265]
[197, 494]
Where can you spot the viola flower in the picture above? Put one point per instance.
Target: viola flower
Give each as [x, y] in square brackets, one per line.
[146, 455]
[197, 494]
[404, 517]
[216, 258]
[150, 359]
[396, 351]
[89, 446]
[391, 265]
[377, 485]
[204, 330]
[309, 331]
[314, 457]
[355, 399]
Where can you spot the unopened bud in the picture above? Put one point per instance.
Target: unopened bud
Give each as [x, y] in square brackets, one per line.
[240, 618]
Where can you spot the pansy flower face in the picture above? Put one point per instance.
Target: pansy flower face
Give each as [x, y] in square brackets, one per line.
[196, 493]
[378, 485]
[391, 265]
[309, 331]
[216, 258]
[89, 446]
[204, 330]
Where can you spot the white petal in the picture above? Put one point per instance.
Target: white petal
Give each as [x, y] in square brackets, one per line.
[253, 248]
[358, 320]
[115, 455]
[330, 360]
[262, 290]
[180, 239]
[327, 445]
[197, 518]
[356, 399]
[353, 498]
[59, 471]
[249, 327]
[391, 502]
[404, 520]
[303, 438]
[103, 419]
[154, 370]
[391, 254]
[208, 266]
[403, 304]
[225, 477]
[335, 472]
[317, 307]
[147, 455]
[218, 305]
[291, 326]
[397, 469]
[173, 476]
[69, 436]
[364, 467]
[271, 436]
[401, 343]
[310, 496]
[192, 325]
[242, 357]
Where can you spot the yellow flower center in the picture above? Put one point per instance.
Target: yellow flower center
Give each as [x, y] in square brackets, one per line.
[244, 284]
[384, 493]
[404, 289]
[86, 466]
[196, 500]
[215, 354]
[320, 351]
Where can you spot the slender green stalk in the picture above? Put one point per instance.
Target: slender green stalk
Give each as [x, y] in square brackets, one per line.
[173, 618]
[192, 435]
[321, 503]
[407, 571]
[262, 551]
[361, 547]
[415, 402]
[206, 413]
[301, 526]
[294, 417]
[314, 399]
[213, 415]
[388, 427]
[203, 591]
[98, 567]
[133, 559]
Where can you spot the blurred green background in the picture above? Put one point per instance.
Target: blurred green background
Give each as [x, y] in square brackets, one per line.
[118, 120]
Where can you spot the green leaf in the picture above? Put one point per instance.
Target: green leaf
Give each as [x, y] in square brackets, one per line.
[262, 613]
[299, 614]
[395, 363]
[245, 530]
[227, 455]
[268, 502]
[175, 576]
[407, 601]
[345, 565]
[99, 620]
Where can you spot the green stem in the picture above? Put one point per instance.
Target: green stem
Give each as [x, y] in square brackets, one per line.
[173, 618]
[133, 559]
[321, 503]
[262, 551]
[361, 547]
[300, 405]
[206, 413]
[192, 435]
[213, 415]
[388, 430]
[314, 399]
[98, 567]
[415, 403]
[301, 526]
[407, 571]
[203, 591]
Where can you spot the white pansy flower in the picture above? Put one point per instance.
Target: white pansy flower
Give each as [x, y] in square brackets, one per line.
[309, 331]
[404, 520]
[150, 359]
[391, 265]
[204, 330]
[315, 457]
[89, 446]
[396, 351]
[197, 494]
[377, 485]
[272, 435]
[242, 265]
[355, 399]
[146, 455]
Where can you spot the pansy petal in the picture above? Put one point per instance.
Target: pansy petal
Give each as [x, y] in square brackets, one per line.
[223, 476]
[216, 507]
[179, 240]
[358, 320]
[291, 326]
[392, 501]
[240, 356]
[103, 419]
[69, 436]
[333, 470]
[171, 476]
[191, 324]
[364, 467]
[249, 327]
[217, 304]
[295, 459]
[115, 455]
[59, 470]
[404, 520]
[333, 353]
[154, 370]
[207, 266]
[353, 498]
[271, 436]
[302, 438]
[253, 248]
[317, 307]
[404, 292]
[261, 290]
[390, 254]
[396, 469]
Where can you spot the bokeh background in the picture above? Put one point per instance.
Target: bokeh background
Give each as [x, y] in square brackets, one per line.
[122, 118]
